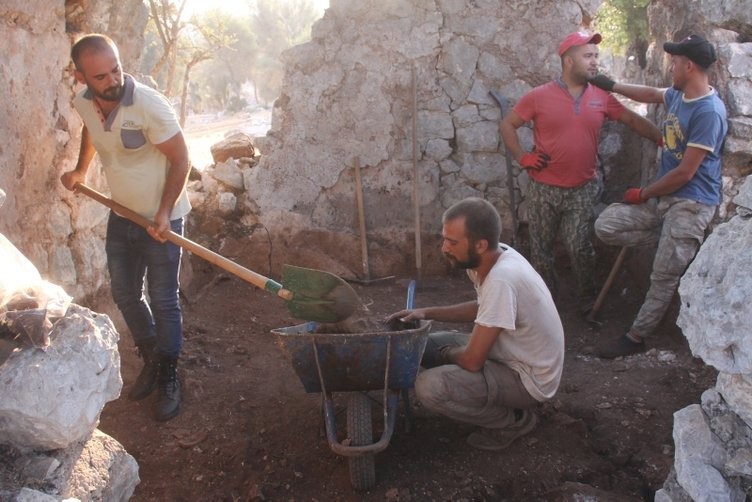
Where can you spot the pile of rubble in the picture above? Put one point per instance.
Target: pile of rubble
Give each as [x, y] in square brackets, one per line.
[60, 368]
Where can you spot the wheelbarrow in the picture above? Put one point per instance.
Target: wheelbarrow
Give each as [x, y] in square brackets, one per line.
[356, 363]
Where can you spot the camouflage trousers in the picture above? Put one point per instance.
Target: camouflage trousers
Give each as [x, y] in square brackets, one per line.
[570, 211]
[677, 225]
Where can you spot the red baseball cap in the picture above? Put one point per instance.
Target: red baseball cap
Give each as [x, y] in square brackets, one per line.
[578, 38]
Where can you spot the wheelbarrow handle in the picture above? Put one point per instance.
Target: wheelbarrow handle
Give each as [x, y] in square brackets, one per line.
[247, 275]
[411, 294]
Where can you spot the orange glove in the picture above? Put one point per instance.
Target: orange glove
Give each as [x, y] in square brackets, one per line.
[633, 196]
[534, 160]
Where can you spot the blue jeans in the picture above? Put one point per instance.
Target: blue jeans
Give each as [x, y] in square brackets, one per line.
[134, 257]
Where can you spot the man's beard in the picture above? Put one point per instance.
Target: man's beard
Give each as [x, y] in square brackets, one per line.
[473, 260]
[113, 93]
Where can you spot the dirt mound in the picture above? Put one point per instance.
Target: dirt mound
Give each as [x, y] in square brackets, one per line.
[248, 430]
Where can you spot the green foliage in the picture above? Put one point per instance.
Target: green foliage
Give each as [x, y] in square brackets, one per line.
[150, 53]
[624, 24]
[278, 26]
[247, 48]
[220, 79]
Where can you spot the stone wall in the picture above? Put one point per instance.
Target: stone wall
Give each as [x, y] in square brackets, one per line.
[349, 93]
[40, 133]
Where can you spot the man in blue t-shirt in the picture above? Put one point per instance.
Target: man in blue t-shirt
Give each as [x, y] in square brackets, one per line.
[675, 209]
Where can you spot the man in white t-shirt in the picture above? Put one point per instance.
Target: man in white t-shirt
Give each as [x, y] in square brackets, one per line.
[513, 359]
[136, 134]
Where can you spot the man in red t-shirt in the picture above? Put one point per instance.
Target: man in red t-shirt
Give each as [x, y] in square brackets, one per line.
[567, 116]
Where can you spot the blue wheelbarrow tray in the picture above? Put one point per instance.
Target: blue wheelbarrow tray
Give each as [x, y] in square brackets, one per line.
[355, 362]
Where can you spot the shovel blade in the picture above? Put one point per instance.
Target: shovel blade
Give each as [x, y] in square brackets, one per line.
[318, 296]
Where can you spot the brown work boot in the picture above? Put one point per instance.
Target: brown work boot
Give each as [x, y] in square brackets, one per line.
[625, 345]
[500, 439]
[146, 381]
[169, 396]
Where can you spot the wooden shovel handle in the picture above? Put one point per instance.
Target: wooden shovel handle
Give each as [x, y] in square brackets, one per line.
[247, 275]
[361, 219]
[609, 281]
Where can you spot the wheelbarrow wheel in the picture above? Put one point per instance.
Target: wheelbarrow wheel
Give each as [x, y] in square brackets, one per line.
[360, 432]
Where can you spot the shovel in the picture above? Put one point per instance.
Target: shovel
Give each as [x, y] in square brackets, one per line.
[311, 295]
[504, 107]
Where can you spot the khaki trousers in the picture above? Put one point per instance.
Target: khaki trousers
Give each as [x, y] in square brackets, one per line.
[486, 398]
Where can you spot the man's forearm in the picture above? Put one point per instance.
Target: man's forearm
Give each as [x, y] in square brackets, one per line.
[86, 152]
[176, 152]
[511, 141]
[174, 185]
[461, 312]
[677, 177]
[642, 126]
[641, 93]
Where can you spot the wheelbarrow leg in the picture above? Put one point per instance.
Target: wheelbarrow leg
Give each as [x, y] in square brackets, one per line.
[410, 422]
[322, 415]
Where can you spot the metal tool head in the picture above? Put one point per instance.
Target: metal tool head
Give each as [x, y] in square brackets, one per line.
[318, 295]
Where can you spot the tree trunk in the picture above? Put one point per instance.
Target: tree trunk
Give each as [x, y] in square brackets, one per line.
[184, 93]
[171, 74]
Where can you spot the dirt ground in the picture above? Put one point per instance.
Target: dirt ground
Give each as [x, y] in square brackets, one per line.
[248, 430]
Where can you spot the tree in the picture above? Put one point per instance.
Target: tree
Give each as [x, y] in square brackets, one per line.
[214, 37]
[278, 26]
[625, 23]
[220, 80]
[219, 52]
[166, 18]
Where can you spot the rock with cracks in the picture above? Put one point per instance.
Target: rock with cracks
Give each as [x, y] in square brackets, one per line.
[52, 398]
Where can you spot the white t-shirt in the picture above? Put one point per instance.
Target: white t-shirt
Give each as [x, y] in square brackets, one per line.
[514, 297]
[135, 169]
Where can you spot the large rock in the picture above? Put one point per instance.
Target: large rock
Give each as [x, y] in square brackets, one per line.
[716, 293]
[52, 398]
[98, 468]
[730, 14]
[235, 146]
[229, 173]
[737, 394]
[95, 468]
[700, 456]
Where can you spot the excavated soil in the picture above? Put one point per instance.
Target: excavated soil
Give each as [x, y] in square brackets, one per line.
[248, 430]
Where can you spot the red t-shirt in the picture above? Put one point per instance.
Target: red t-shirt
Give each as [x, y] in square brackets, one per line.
[567, 129]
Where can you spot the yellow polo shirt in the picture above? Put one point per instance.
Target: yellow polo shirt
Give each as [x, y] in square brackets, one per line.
[135, 169]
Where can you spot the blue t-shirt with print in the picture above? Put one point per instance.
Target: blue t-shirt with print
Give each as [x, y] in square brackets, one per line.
[700, 123]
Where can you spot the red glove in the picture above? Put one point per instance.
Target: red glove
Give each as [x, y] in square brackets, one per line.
[661, 143]
[633, 196]
[534, 160]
